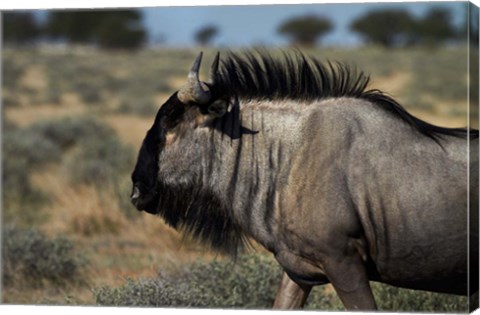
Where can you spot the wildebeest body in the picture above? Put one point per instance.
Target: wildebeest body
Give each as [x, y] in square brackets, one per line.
[339, 189]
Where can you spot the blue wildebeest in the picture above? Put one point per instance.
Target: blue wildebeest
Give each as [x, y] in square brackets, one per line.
[340, 183]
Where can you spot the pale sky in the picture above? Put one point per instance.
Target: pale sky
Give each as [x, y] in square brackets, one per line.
[257, 24]
[246, 25]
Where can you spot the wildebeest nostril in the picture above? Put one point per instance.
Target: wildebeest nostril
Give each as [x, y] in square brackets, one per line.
[135, 193]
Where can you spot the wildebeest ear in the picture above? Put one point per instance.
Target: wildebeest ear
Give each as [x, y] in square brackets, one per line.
[218, 108]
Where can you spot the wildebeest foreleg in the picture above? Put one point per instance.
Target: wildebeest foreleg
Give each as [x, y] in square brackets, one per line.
[291, 295]
[349, 278]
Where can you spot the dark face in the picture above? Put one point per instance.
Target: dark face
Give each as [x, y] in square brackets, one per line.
[145, 194]
[193, 101]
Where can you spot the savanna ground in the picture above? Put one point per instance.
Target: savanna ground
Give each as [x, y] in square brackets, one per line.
[73, 120]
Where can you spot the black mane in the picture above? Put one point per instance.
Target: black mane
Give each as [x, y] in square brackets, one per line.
[259, 75]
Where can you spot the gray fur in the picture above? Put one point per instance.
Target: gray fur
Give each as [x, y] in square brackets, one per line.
[341, 189]
[339, 177]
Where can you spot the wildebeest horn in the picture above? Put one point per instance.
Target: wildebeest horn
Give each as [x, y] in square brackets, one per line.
[214, 68]
[195, 90]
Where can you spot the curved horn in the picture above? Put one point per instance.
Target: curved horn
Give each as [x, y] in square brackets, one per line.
[193, 74]
[195, 90]
[214, 68]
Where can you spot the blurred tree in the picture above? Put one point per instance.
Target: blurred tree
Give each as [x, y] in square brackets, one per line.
[389, 28]
[205, 35]
[305, 30]
[73, 26]
[108, 29]
[19, 28]
[121, 30]
[436, 27]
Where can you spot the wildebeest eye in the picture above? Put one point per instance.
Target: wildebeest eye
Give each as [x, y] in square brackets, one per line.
[218, 108]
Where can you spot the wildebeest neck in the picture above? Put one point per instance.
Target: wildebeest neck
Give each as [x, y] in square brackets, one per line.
[249, 172]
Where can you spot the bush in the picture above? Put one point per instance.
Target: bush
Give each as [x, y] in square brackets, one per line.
[90, 94]
[97, 157]
[143, 106]
[33, 147]
[88, 149]
[30, 258]
[100, 162]
[21, 201]
[53, 93]
[10, 100]
[24, 151]
[70, 131]
[440, 75]
[248, 283]
[391, 299]
[12, 72]
[252, 282]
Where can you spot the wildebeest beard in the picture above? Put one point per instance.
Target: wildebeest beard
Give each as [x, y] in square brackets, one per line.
[200, 214]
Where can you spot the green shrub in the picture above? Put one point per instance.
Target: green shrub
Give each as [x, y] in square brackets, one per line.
[24, 152]
[163, 87]
[12, 72]
[31, 146]
[90, 94]
[100, 161]
[89, 150]
[440, 75]
[88, 82]
[68, 132]
[252, 282]
[53, 93]
[10, 100]
[8, 125]
[97, 157]
[21, 201]
[30, 258]
[390, 298]
[141, 106]
[248, 283]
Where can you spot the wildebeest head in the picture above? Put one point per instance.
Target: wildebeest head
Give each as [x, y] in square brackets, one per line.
[194, 105]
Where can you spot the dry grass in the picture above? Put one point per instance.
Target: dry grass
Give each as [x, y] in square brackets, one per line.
[34, 78]
[131, 129]
[118, 247]
[26, 115]
[393, 84]
[83, 211]
[440, 120]
[442, 113]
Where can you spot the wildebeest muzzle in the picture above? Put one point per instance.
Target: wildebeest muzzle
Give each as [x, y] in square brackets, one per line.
[144, 199]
